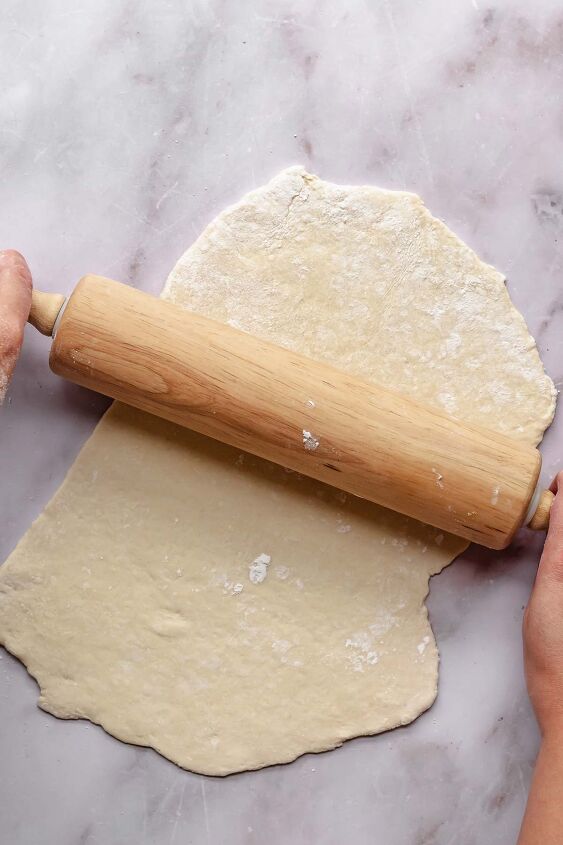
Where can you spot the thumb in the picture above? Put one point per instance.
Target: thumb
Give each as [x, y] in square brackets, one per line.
[15, 285]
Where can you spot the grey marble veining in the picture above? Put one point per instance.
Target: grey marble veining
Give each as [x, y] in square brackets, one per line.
[124, 127]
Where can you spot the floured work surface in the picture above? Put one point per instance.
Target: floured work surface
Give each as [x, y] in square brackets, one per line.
[225, 611]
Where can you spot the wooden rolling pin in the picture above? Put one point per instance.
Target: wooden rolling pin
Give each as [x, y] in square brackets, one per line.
[302, 414]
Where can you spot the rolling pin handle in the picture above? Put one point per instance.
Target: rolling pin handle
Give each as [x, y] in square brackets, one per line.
[539, 519]
[45, 308]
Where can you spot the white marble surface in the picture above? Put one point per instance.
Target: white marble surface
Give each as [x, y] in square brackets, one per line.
[124, 127]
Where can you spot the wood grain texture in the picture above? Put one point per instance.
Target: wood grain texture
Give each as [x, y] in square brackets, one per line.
[45, 308]
[540, 519]
[296, 412]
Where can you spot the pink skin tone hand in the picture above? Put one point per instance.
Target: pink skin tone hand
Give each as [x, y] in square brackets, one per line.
[15, 302]
[543, 661]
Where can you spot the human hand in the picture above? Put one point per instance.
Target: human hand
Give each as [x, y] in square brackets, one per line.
[543, 626]
[543, 658]
[15, 302]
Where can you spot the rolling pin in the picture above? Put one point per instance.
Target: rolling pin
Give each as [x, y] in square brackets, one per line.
[302, 414]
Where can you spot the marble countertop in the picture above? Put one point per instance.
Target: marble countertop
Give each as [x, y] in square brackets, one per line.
[124, 128]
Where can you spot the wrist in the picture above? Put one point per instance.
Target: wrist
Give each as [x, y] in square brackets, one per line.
[551, 728]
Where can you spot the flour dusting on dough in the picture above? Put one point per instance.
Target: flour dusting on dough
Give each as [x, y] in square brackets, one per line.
[363, 653]
[423, 644]
[258, 569]
[368, 281]
[233, 589]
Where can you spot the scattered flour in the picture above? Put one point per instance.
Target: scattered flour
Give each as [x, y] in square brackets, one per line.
[258, 569]
[400, 543]
[362, 649]
[282, 648]
[451, 344]
[439, 478]
[382, 625]
[421, 647]
[232, 589]
[310, 442]
[363, 643]
[494, 497]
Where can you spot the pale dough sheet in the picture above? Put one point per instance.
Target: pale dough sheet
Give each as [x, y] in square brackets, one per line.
[135, 599]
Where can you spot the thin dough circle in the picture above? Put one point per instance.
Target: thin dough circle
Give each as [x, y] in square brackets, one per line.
[223, 611]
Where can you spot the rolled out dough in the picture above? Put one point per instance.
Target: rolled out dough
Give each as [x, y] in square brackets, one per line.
[224, 611]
